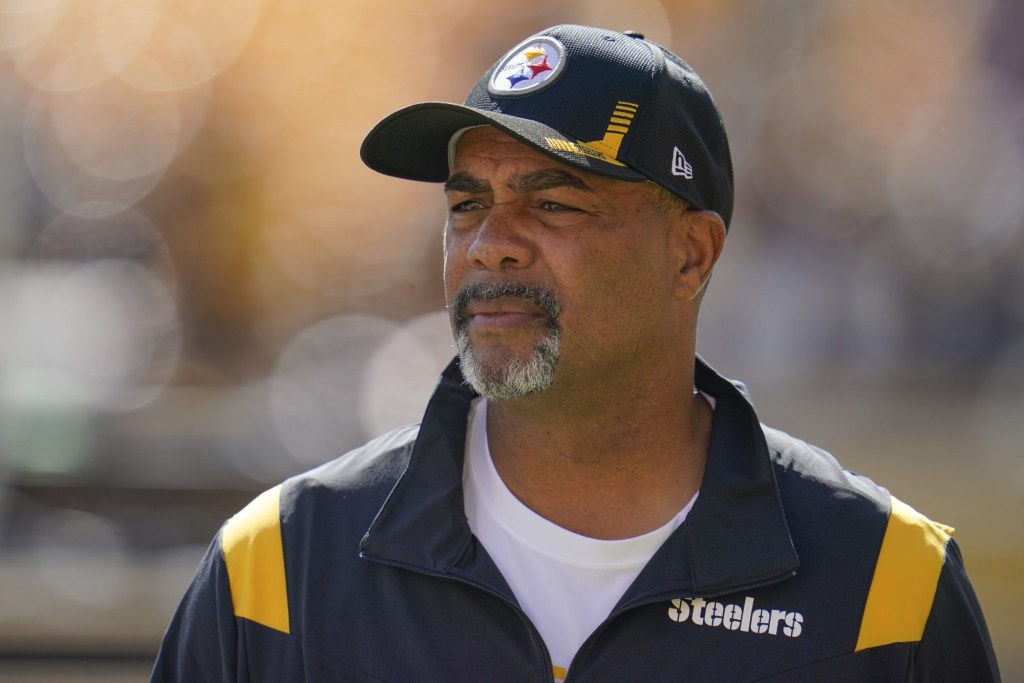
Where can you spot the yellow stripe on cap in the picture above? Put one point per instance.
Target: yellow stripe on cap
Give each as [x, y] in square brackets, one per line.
[903, 587]
[254, 555]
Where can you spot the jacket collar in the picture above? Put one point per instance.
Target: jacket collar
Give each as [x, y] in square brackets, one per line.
[735, 536]
[423, 521]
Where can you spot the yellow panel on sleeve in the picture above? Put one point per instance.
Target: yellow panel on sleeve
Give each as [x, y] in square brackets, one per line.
[254, 555]
[906, 575]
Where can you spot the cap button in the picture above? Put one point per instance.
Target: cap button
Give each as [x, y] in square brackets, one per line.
[633, 34]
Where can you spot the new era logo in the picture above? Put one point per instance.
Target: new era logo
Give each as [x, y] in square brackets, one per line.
[680, 166]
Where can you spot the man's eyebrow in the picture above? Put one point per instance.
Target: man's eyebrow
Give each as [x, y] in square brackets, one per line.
[536, 181]
[546, 180]
[464, 182]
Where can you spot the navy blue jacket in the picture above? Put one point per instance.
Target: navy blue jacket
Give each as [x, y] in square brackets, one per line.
[788, 568]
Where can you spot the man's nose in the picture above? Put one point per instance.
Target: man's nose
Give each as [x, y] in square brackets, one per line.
[501, 241]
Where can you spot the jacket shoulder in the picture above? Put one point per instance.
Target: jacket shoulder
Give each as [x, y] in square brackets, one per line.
[345, 491]
[341, 497]
[800, 464]
[254, 559]
[378, 461]
[903, 552]
[910, 561]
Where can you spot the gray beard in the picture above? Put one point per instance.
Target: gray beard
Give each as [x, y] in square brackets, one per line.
[516, 378]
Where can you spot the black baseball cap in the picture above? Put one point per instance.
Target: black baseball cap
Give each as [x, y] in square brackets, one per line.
[606, 102]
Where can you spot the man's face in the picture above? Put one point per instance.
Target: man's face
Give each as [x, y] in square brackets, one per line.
[554, 277]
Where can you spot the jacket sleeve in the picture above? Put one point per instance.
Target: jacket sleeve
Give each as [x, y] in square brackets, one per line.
[955, 645]
[201, 643]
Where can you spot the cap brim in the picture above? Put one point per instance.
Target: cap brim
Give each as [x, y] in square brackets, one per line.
[412, 143]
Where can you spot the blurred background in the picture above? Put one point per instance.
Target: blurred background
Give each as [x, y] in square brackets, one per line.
[203, 291]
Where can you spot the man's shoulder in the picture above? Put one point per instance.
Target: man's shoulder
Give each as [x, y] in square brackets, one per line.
[859, 543]
[361, 478]
[377, 462]
[824, 499]
[327, 508]
[350, 487]
[809, 471]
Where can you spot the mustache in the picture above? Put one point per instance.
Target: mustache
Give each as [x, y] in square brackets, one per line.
[535, 294]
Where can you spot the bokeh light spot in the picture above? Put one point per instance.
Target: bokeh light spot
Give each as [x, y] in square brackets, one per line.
[316, 389]
[403, 371]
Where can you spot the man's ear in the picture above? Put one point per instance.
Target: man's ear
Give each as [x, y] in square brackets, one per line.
[697, 241]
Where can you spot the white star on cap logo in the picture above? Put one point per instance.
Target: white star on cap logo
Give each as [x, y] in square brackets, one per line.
[528, 67]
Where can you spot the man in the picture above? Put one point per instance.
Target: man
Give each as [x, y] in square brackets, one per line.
[585, 499]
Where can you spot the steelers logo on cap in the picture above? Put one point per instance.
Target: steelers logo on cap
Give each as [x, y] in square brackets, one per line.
[528, 67]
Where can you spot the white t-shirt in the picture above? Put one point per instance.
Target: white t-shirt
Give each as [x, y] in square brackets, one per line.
[566, 583]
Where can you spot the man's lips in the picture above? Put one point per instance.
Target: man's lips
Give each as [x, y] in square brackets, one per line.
[504, 307]
[501, 320]
[502, 314]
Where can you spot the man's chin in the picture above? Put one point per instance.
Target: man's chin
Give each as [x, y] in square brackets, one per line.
[502, 374]
[496, 361]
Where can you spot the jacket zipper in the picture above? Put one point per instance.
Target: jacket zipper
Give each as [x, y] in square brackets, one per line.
[534, 633]
[589, 642]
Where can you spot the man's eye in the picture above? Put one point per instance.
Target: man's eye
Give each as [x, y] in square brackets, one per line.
[556, 207]
[468, 205]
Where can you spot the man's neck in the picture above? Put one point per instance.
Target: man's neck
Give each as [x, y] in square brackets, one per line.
[610, 469]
